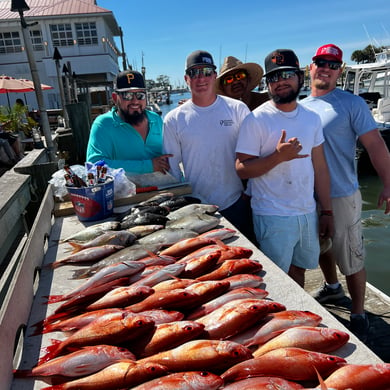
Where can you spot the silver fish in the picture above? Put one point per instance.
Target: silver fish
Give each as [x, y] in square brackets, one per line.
[93, 231]
[191, 209]
[144, 230]
[168, 236]
[199, 223]
[121, 237]
[133, 253]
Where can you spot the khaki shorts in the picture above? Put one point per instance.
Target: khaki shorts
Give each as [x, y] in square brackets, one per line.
[347, 242]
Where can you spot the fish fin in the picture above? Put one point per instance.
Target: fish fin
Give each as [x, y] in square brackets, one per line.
[221, 244]
[320, 380]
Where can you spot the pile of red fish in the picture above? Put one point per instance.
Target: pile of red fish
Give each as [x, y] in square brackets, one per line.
[190, 315]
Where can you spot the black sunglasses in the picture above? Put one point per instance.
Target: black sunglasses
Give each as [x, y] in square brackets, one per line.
[127, 95]
[283, 74]
[334, 65]
[196, 72]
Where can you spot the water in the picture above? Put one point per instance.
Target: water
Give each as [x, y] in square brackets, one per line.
[165, 108]
[376, 225]
[376, 232]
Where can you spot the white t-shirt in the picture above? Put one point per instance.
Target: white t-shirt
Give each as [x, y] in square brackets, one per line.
[203, 141]
[288, 188]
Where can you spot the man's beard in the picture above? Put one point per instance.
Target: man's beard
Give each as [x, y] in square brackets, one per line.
[133, 119]
[321, 84]
[290, 97]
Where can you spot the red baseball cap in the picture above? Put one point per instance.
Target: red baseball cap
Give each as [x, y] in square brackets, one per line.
[329, 50]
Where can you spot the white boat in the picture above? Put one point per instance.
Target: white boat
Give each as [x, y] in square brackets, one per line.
[372, 82]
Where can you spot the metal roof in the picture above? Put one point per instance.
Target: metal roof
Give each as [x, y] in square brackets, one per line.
[47, 8]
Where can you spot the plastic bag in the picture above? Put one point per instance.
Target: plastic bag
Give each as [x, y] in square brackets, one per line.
[123, 187]
[58, 180]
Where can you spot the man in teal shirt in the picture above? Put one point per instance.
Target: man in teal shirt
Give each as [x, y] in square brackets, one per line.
[128, 136]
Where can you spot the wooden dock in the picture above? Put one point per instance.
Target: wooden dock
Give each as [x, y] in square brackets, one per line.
[377, 306]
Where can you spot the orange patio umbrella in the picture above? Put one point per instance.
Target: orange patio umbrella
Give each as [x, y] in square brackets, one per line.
[11, 84]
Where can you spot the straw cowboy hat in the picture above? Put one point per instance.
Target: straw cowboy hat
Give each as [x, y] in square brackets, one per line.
[231, 64]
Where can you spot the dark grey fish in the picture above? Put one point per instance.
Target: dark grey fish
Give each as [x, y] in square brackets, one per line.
[145, 218]
[157, 199]
[158, 209]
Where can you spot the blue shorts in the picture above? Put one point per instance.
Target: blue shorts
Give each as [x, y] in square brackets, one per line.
[289, 240]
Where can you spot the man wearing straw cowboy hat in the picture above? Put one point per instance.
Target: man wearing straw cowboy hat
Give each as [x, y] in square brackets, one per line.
[237, 80]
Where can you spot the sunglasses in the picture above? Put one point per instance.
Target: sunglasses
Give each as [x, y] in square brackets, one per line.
[282, 74]
[334, 65]
[127, 95]
[241, 75]
[197, 72]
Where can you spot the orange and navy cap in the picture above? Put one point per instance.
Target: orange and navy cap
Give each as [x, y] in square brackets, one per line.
[281, 59]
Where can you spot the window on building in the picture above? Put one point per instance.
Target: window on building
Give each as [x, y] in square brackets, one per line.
[37, 40]
[61, 34]
[10, 42]
[86, 33]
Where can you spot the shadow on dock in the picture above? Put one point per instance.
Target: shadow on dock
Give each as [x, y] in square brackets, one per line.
[377, 306]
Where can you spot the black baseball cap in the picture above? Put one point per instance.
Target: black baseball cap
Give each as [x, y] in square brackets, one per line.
[128, 80]
[199, 58]
[281, 59]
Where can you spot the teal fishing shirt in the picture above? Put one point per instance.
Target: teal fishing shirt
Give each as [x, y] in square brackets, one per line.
[121, 146]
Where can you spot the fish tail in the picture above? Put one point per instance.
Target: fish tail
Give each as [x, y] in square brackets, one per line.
[56, 264]
[75, 247]
[81, 274]
[55, 387]
[38, 328]
[52, 319]
[51, 352]
[22, 373]
[55, 298]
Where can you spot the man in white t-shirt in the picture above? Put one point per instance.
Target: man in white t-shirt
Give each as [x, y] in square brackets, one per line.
[280, 151]
[201, 134]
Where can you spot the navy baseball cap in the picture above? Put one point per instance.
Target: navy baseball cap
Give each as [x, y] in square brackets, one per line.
[128, 80]
[200, 58]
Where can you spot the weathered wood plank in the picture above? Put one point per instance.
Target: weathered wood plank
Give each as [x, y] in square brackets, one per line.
[377, 306]
[17, 303]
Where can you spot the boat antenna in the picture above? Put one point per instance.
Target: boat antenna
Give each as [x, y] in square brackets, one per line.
[384, 29]
[369, 38]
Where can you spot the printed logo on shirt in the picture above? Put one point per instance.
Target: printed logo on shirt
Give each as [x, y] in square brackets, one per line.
[226, 122]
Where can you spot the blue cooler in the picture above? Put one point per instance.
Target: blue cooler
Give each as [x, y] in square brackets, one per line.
[93, 203]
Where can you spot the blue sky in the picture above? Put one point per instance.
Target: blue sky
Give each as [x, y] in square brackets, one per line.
[167, 31]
